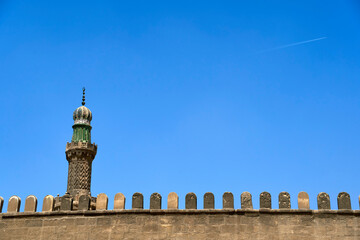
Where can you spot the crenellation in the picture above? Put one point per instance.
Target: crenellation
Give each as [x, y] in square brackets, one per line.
[84, 202]
[303, 200]
[265, 200]
[344, 201]
[173, 201]
[1, 203]
[190, 201]
[284, 200]
[209, 200]
[30, 204]
[66, 203]
[48, 204]
[228, 200]
[14, 204]
[119, 201]
[155, 201]
[323, 201]
[102, 201]
[246, 201]
[137, 201]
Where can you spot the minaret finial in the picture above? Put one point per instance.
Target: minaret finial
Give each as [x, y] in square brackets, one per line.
[83, 99]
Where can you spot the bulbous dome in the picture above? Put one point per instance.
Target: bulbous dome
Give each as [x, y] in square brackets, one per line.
[82, 115]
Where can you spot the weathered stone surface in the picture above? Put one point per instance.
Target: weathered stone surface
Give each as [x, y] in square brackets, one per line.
[228, 200]
[209, 200]
[30, 204]
[344, 201]
[80, 156]
[14, 204]
[155, 201]
[137, 201]
[181, 225]
[48, 204]
[246, 201]
[284, 200]
[84, 202]
[323, 201]
[66, 203]
[102, 201]
[190, 201]
[173, 201]
[1, 203]
[265, 200]
[303, 200]
[119, 201]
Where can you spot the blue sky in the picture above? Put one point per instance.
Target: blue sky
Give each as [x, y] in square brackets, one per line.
[187, 96]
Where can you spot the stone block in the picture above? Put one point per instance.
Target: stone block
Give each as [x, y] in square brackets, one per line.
[137, 201]
[303, 200]
[173, 201]
[14, 204]
[102, 201]
[246, 201]
[66, 203]
[119, 201]
[284, 200]
[48, 204]
[209, 200]
[30, 204]
[190, 201]
[343, 200]
[228, 200]
[155, 201]
[323, 201]
[84, 202]
[265, 200]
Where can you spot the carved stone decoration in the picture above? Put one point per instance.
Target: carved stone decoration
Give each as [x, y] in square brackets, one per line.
[30, 204]
[14, 204]
[137, 201]
[265, 200]
[284, 200]
[246, 201]
[303, 200]
[228, 200]
[190, 201]
[80, 156]
[173, 201]
[323, 201]
[1, 204]
[155, 201]
[119, 201]
[344, 201]
[209, 200]
[48, 204]
[84, 202]
[102, 201]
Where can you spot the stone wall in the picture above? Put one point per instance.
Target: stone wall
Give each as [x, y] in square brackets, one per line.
[59, 219]
[229, 224]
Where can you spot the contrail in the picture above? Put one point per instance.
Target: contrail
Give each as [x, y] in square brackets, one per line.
[293, 44]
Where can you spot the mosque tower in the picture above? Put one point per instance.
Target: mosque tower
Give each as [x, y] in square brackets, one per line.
[80, 153]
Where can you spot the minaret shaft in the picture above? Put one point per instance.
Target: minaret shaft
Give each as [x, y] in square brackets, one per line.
[80, 156]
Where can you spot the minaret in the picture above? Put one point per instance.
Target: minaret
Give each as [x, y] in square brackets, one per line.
[80, 152]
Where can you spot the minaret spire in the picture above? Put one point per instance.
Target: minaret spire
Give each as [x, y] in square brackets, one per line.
[83, 98]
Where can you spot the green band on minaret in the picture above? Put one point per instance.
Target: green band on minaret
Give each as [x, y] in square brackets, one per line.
[82, 117]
